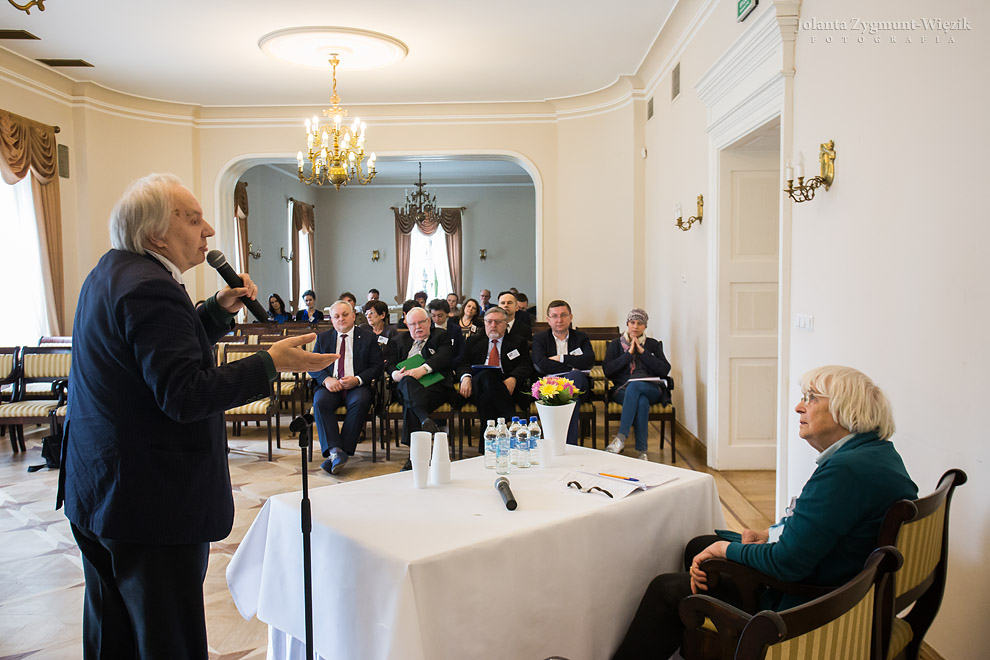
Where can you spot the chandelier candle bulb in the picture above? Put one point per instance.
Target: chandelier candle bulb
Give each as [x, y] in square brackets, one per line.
[799, 169]
[789, 171]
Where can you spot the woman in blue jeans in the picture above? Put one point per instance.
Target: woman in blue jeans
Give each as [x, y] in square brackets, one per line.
[630, 357]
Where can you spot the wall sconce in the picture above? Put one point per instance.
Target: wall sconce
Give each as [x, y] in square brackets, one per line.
[281, 253]
[252, 253]
[483, 254]
[684, 226]
[804, 192]
[375, 255]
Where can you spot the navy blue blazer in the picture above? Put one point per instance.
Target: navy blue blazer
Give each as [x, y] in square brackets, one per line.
[545, 347]
[363, 343]
[616, 363]
[519, 367]
[144, 455]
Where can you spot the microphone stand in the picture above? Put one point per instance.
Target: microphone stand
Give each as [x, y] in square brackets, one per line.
[302, 425]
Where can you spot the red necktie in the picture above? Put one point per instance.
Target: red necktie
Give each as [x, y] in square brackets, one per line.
[343, 354]
[493, 359]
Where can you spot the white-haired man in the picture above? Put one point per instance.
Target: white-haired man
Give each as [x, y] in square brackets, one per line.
[831, 527]
[144, 465]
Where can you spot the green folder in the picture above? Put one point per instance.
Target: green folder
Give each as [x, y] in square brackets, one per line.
[418, 361]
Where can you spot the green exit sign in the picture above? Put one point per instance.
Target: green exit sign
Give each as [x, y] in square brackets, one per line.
[744, 8]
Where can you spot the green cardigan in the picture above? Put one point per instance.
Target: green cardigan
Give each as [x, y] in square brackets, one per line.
[836, 519]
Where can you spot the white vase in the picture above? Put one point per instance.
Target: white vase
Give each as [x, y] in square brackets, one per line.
[555, 421]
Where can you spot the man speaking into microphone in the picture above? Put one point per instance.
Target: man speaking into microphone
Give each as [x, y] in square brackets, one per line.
[144, 468]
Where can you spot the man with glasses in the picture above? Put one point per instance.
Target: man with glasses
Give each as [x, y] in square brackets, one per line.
[564, 351]
[418, 401]
[832, 527]
[494, 371]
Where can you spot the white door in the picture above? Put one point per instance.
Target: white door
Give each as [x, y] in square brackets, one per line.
[747, 303]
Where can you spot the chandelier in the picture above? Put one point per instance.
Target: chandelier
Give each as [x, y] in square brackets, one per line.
[420, 204]
[333, 154]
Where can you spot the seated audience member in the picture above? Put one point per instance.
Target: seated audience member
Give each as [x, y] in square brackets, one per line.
[406, 306]
[418, 401]
[564, 351]
[522, 308]
[420, 297]
[831, 529]
[276, 309]
[309, 312]
[346, 382]
[517, 326]
[373, 294]
[499, 391]
[485, 296]
[471, 320]
[376, 311]
[359, 318]
[452, 302]
[630, 356]
[438, 313]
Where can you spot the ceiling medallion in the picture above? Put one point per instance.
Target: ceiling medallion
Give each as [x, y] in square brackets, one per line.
[313, 46]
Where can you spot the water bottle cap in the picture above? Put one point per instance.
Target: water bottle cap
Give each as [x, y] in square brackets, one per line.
[491, 422]
[501, 420]
[533, 418]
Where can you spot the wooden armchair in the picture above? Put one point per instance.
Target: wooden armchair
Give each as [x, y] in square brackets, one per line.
[843, 623]
[921, 530]
[256, 411]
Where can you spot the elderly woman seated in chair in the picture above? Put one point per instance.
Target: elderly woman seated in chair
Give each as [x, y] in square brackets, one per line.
[827, 532]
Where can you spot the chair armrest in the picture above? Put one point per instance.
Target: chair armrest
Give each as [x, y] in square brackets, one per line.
[749, 582]
[60, 390]
[729, 621]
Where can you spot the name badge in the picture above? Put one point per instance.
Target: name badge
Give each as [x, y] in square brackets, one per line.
[382, 339]
[577, 351]
[431, 351]
[513, 354]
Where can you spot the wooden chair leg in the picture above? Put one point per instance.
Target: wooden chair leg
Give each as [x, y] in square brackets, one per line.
[270, 439]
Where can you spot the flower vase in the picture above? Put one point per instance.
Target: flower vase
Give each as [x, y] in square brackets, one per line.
[555, 421]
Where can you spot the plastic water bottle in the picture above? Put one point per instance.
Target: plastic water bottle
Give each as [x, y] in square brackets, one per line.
[490, 434]
[535, 433]
[502, 448]
[522, 447]
[513, 447]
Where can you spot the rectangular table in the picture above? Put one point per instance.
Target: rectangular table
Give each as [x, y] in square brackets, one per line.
[447, 572]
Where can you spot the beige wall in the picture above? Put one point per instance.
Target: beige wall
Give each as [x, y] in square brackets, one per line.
[890, 261]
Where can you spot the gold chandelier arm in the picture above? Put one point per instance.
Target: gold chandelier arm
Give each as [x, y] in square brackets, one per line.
[26, 7]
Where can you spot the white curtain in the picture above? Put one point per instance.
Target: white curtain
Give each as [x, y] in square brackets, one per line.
[428, 267]
[21, 274]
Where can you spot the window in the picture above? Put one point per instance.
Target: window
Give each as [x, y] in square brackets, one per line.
[302, 261]
[428, 267]
[20, 267]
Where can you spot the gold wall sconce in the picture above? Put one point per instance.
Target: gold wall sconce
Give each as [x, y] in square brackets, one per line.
[254, 254]
[684, 226]
[281, 253]
[375, 255]
[26, 7]
[483, 254]
[805, 190]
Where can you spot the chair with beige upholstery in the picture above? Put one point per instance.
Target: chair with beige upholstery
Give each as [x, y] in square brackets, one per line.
[921, 530]
[844, 623]
[258, 411]
[659, 412]
[40, 369]
[9, 367]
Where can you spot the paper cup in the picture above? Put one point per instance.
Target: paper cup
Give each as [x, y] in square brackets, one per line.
[420, 449]
[545, 447]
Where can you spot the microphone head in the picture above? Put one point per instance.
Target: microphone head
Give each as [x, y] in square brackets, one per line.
[300, 422]
[501, 480]
[216, 259]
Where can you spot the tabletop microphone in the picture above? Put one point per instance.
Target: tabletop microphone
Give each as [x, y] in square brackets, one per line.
[502, 486]
[216, 259]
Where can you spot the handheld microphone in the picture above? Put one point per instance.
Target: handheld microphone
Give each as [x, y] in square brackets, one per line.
[216, 259]
[502, 486]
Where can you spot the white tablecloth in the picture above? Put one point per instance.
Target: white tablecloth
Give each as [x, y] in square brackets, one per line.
[448, 572]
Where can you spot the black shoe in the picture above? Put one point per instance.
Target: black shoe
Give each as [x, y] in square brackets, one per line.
[407, 465]
[430, 426]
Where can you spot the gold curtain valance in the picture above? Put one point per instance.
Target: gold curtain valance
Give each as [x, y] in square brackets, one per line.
[26, 145]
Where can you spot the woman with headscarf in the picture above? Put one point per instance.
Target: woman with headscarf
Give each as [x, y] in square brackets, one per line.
[631, 359]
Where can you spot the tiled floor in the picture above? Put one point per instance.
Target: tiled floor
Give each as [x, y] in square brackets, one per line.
[41, 583]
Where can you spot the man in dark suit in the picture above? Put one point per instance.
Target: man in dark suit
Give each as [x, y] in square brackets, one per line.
[347, 382]
[144, 467]
[418, 401]
[440, 314]
[518, 325]
[564, 351]
[496, 392]
[485, 298]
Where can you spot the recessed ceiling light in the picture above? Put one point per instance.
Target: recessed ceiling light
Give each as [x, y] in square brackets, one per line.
[312, 46]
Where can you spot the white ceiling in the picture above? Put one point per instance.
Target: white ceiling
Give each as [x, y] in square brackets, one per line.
[206, 53]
